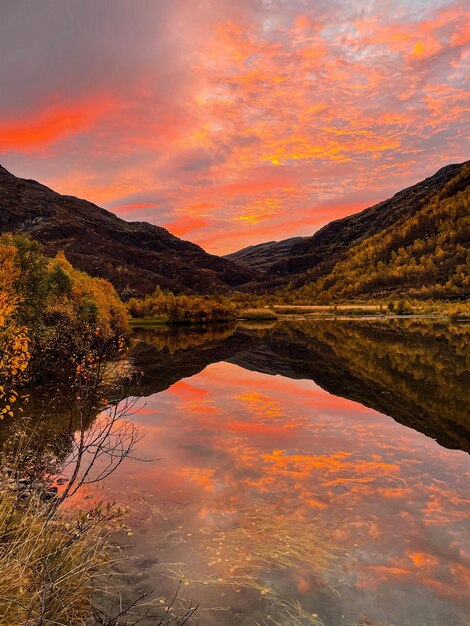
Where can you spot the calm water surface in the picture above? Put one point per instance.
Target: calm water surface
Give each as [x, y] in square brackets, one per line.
[297, 478]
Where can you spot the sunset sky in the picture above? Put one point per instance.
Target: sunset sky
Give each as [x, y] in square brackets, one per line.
[233, 122]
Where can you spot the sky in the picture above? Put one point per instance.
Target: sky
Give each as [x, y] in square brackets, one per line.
[233, 123]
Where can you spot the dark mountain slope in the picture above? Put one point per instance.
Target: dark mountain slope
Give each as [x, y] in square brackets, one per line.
[134, 256]
[263, 256]
[330, 244]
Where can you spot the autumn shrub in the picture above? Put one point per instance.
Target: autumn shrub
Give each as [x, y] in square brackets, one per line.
[258, 314]
[177, 309]
[61, 310]
[14, 337]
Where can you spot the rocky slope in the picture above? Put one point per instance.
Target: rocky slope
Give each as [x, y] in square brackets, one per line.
[134, 256]
[263, 256]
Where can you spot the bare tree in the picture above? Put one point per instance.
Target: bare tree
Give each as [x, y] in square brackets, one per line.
[100, 434]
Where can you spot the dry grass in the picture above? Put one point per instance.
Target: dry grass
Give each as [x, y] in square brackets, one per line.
[55, 570]
[48, 563]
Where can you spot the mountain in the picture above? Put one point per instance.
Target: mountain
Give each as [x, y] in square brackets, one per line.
[263, 256]
[282, 262]
[134, 256]
[330, 265]
[422, 255]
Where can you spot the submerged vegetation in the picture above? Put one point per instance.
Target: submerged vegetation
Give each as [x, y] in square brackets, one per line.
[243, 553]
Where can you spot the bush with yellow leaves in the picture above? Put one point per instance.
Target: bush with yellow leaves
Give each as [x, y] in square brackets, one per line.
[50, 313]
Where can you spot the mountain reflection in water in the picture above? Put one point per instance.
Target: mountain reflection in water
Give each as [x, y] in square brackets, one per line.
[417, 372]
[308, 473]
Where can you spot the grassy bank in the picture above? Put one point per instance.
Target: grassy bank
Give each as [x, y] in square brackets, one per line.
[164, 308]
[451, 310]
[258, 315]
[49, 560]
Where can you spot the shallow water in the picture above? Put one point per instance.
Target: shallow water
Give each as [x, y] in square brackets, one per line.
[296, 477]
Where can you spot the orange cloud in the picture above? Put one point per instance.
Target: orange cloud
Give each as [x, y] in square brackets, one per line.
[186, 224]
[53, 123]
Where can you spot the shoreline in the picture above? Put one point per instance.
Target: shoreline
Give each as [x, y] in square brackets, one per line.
[294, 317]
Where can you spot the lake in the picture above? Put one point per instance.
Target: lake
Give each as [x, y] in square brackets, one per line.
[311, 472]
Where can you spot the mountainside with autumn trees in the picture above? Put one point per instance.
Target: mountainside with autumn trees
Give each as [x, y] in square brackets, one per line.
[423, 255]
[135, 257]
[301, 261]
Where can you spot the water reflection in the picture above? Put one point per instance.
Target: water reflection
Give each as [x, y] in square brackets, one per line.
[298, 480]
[417, 372]
[279, 502]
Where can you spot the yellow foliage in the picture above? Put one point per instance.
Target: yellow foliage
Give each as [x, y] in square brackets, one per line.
[424, 256]
[172, 308]
[111, 313]
[50, 314]
[14, 340]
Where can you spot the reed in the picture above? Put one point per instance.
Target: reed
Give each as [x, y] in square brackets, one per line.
[48, 561]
